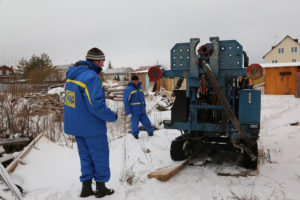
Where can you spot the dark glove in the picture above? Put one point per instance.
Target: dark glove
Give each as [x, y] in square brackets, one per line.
[116, 116]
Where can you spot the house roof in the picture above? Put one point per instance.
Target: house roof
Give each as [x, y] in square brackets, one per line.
[7, 68]
[139, 72]
[289, 64]
[122, 70]
[295, 40]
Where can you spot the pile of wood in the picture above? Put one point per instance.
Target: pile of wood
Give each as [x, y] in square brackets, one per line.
[47, 103]
[115, 91]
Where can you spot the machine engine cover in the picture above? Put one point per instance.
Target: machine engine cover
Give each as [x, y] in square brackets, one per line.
[249, 106]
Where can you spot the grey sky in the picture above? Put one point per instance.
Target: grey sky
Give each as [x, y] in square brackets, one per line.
[137, 32]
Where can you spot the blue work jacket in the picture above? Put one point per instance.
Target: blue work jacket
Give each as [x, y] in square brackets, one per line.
[85, 110]
[133, 98]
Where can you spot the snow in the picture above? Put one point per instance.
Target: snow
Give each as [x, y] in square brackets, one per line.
[58, 90]
[288, 64]
[53, 170]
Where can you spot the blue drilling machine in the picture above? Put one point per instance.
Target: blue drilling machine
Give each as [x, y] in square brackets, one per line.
[219, 109]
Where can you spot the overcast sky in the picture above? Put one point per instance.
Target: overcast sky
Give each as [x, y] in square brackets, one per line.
[135, 33]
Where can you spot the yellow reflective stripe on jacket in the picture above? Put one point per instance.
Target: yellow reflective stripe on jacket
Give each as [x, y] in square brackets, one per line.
[135, 103]
[138, 103]
[131, 94]
[83, 86]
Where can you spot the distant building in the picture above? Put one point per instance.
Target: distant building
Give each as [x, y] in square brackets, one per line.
[121, 74]
[7, 74]
[287, 50]
[60, 75]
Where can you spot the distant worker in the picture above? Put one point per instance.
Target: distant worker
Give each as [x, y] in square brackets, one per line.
[134, 103]
[85, 116]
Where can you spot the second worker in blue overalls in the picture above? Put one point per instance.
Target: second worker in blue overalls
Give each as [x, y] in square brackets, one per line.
[134, 103]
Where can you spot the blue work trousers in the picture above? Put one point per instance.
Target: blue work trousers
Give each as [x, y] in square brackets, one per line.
[94, 158]
[143, 118]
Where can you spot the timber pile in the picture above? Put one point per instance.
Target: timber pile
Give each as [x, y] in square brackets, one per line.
[115, 91]
[44, 104]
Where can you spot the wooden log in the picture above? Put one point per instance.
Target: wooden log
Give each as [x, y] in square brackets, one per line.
[6, 141]
[118, 99]
[118, 89]
[164, 174]
[10, 183]
[117, 93]
[12, 166]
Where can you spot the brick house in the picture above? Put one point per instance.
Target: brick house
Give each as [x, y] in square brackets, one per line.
[7, 74]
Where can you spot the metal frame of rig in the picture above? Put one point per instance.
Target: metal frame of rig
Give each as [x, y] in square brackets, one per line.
[219, 109]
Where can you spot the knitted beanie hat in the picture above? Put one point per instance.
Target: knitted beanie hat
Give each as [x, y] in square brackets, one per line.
[134, 78]
[95, 54]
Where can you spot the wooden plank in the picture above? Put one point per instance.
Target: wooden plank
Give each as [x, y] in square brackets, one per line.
[10, 183]
[11, 167]
[164, 174]
[5, 141]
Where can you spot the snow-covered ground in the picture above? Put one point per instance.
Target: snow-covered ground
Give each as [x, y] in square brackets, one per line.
[52, 171]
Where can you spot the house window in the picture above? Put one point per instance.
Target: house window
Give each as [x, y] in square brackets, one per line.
[7, 72]
[274, 61]
[294, 49]
[294, 60]
[1, 72]
[280, 50]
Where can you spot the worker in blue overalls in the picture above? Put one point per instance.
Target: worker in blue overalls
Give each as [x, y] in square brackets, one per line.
[85, 116]
[134, 103]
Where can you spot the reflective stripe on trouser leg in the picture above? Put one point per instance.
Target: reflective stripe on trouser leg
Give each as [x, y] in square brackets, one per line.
[134, 124]
[99, 150]
[86, 162]
[146, 123]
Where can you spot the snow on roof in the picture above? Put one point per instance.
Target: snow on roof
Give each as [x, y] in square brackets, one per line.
[139, 72]
[122, 70]
[289, 64]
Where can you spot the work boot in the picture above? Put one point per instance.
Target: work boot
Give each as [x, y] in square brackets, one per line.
[87, 189]
[150, 134]
[136, 136]
[101, 190]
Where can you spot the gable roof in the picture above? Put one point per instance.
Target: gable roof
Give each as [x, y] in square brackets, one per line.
[273, 47]
[122, 70]
[6, 67]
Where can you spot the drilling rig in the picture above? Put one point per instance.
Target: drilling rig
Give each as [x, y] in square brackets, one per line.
[218, 109]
